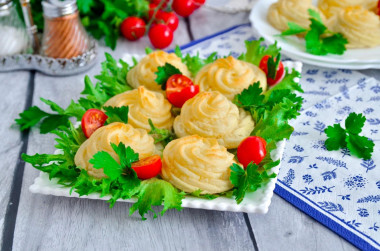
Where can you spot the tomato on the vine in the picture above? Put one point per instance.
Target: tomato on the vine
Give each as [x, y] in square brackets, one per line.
[92, 120]
[168, 18]
[199, 3]
[280, 73]
[148, 167]
[179, 89]
[251, 149]
[160, 35]
[184, 8]
[133, 28]
[152, 8]
[157, 2]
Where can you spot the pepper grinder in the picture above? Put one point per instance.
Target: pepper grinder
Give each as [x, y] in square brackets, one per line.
[30, 26]
[64, 35]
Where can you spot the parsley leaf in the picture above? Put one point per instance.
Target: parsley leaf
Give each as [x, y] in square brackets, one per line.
[248, 180]
[30, 117]
[164, 73]
[272, 66]
[337, 137]
[155, 192]
[117, 114]
[160, 135]
[319, 40]
[111, 167]
[255, 51]
[294, 29]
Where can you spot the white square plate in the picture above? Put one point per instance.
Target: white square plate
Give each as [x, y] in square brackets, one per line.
[257, 202]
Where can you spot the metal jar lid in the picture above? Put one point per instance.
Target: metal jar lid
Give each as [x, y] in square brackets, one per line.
[57, 8]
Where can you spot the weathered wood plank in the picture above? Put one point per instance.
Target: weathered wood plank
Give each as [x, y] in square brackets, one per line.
[49, 223]
[14, 87]
[284, 227]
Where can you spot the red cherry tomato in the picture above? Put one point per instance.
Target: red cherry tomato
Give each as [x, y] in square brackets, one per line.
[279, 74]
[148, 167]
[251, 149]
[179, 89]
[92, 120]
[168, 18]
[161, 36]
[133, 28]
[199, 3]
[378, 8]
[184, 8]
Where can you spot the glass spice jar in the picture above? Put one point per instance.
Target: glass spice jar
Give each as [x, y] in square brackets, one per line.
[13, 35]
[64, 35]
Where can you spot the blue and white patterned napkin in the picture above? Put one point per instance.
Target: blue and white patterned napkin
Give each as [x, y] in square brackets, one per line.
[340, 191]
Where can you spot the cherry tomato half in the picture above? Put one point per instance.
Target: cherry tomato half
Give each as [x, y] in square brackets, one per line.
[279, 74]
[133, 28]
[251, 149]
[184, 8]
[179, 89]
[199, 3]
[168, 18]
[92, 120]
[148, 167]
[161, 36]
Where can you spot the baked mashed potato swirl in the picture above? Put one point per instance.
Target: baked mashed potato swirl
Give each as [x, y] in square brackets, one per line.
[143, 105]
[100, 140]
[332, 7]
[193, 163]
[360, 26]
[144, 72]
[229, 76]
[296, 11]
[212, 115]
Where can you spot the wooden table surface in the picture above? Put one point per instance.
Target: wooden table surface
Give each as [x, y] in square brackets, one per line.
[38, 222]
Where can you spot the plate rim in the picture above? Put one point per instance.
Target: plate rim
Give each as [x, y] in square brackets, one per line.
[263, 6]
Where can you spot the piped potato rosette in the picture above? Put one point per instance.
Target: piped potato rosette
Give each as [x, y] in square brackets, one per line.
[144, 72]
[143, 105]
[229, 76]
[100, 140]
[212, 115]
[332, 7]
[296, 11]
[359, 26]
[192, 163]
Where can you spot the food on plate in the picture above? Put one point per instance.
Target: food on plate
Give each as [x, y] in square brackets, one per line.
[137, 139]
[251, 150]
[179, 89]
[92, 120]
[125, 130]
[296, 11]
[144, 72]
[148, 167]
[274, 74]
[195, 163]
[212, 115]
[332, 7]
[360, 26]
[144, 105]
[229, 76]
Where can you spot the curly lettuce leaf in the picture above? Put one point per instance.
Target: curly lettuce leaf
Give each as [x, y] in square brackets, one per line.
[155, 192]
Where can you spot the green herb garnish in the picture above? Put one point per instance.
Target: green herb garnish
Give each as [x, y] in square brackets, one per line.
[319, 40]
[360, 146]
[164, 73]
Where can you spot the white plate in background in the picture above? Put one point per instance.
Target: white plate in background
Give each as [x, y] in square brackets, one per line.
[294, 46]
